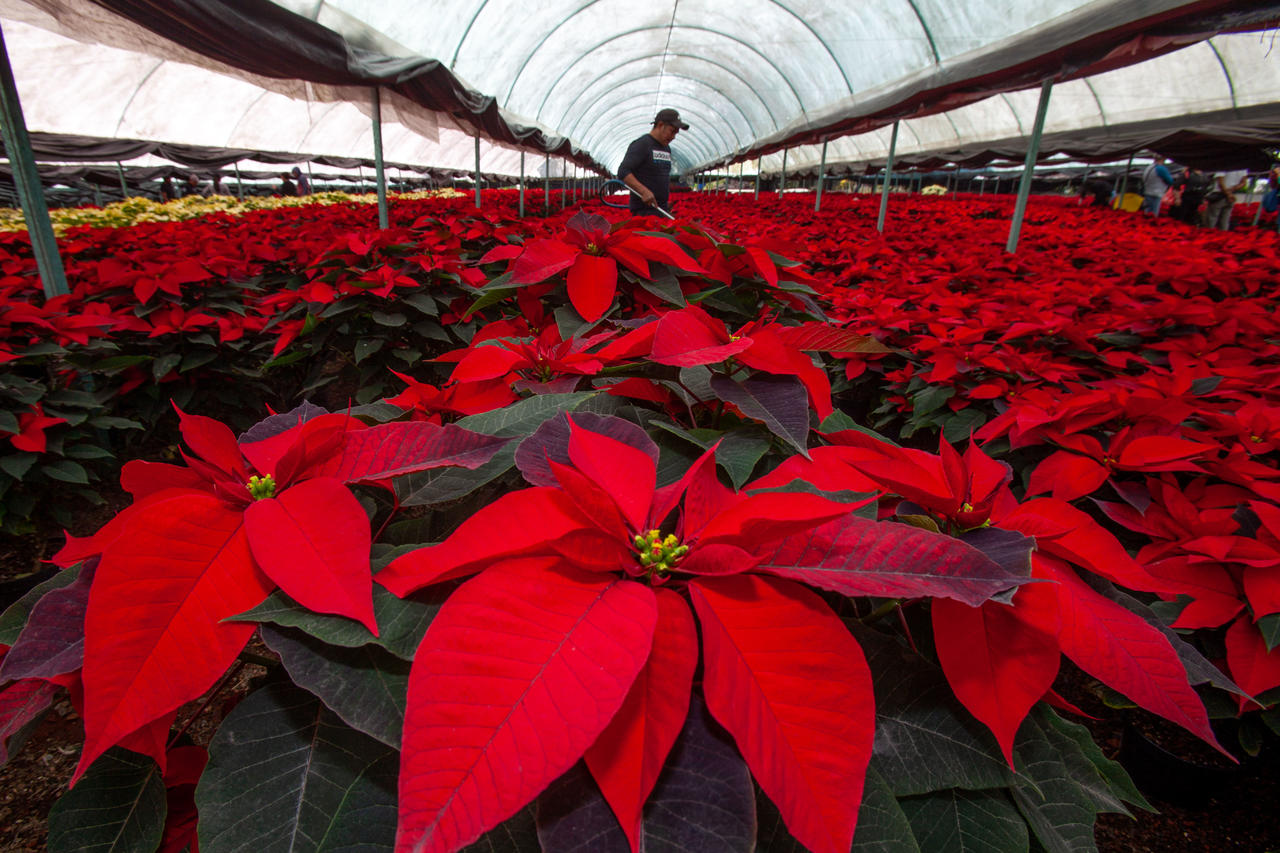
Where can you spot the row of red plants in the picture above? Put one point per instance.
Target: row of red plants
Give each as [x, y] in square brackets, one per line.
[638, 541]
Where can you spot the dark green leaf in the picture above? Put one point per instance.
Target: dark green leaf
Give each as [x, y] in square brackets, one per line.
[198, 359]
[365, 686]
[523, 417]
[954, 821]
[9, 422]
[392, 319]
[165, 364]
[401, 622]
[1072, 738]
[66, 471]
[111, 422]
[882, 826]
[366, 347]
[423, 302]
[74, 399]
[517, 834]
[738, 454]
[779, 402]
[925, 741]
[665, 286]
[932, 398]
[16, 465]
[1269, 625]
[88, 451]
[118, 806]
[285, 773]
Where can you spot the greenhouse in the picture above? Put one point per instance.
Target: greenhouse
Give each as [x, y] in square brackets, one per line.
[602, 426]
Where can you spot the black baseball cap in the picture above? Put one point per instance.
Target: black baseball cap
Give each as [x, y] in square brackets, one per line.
[671, 117]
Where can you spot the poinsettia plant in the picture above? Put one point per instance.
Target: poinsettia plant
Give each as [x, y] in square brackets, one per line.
[625, 565]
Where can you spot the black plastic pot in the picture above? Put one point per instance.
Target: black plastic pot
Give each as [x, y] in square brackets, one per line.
[1162, 775]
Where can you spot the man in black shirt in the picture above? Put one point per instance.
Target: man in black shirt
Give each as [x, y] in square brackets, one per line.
[646, 168]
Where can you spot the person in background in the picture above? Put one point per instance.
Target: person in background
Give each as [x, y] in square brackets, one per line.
[287, 187]
[304, 185]
[1098, 187]
[1156, 180]
[193, 186]
[1222, 198]
[646, 167]
[1195, 186]
[168, 192]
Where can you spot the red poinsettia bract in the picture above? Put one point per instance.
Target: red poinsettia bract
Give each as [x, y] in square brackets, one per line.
[577, 637]
[208, 541]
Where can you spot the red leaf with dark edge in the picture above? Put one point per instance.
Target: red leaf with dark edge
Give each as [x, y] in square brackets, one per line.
[52, 641]
[389, 450]
[857, 556]
[279, 423]
[212, 441]
[629, 475]
[1253, 667]
[142, 479]
[20, 704]
[529, 520]
[690, 337]
[629, 754]
[313, 541]
[313, 440]
[1121, 650]
[827, 338]
[542, 259]
[154, 631]
[550, 443]
[791, 685]
[517, 675]
[592, 283]
[1000, 659]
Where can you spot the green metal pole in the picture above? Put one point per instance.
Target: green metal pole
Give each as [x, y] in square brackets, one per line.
[1033, 152]
[1124, 182]
[239, 183]
[383, 219]
[888, 173]
[26, 178]
[782, 181]
[124, 188]
[477, 171]
[822, 177]
[522, 185]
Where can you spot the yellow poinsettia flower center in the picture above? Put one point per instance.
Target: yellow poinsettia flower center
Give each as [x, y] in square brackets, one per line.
[261, 487]
[658, 554]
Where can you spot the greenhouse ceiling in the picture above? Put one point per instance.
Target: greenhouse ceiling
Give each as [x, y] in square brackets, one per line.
[581, 78]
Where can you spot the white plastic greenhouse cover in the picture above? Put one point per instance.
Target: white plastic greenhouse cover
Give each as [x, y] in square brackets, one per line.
[1229, 84]
[749, 77]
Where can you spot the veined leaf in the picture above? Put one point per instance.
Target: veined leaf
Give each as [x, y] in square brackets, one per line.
[118, 806]
[956, 821]
[285, 773]
[781, 403]
[787, 680]
[52, 642]
[516, 677]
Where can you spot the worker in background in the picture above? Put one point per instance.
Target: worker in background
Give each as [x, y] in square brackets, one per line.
[304, 185]
[287, 187]
[193, 186]
[168, 192]
[1222, 198]
[646, 167]
[1156, 180]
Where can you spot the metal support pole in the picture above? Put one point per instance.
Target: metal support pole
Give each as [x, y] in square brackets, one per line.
[757, 195]
[546, 186]
[35, 210]
[239, 183]
[477, 171]
[311, 179]
[1257, 213]
[97, 195]
[888, 173]
[124, 188]
[822, 177]
[782, 181]
[383, 219]
[1033, 152]
[522, 185]
[1124, 183]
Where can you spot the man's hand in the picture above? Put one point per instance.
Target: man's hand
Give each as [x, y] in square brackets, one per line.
[642, 192]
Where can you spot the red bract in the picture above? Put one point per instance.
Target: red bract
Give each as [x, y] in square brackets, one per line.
[31, 426]
[205, 542]
[591, 254]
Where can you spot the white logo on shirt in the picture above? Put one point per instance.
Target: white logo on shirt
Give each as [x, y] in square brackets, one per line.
[662, 156]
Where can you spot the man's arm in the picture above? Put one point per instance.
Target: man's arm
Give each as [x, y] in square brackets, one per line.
[646, 195]
[626, 172]
[1162, 172]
